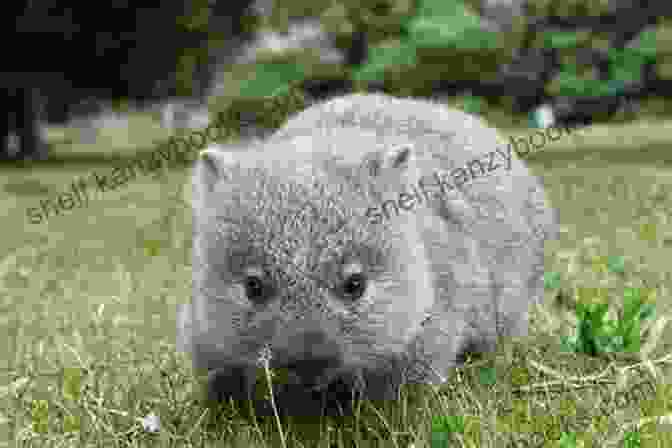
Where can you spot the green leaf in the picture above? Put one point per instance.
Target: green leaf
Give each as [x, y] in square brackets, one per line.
[440, 439]
[441, 8]
[385, 56]
[611, 327]
[571, 343]
[448, 423]
[487, 376]
[568, 440]
[646, 45]
[632, 302]
[472, 104]
[445, 33]
[561, 39]
[449, 23]
[616, 343]
[552, 280]
[632, 439]
[616, 264]
[631, 294]
[570, 84]
[630, 313]
[646, 311]
[269, 77]
[599, 310]
[589, 331]
[568, 344]
[633, 338]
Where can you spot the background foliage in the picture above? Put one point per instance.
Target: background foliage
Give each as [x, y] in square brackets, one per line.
[413, 45]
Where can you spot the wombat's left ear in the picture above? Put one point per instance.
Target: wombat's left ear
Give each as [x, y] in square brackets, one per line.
[212, 165]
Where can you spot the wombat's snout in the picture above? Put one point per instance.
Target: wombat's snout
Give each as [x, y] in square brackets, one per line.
[308, 357]
[310, 371]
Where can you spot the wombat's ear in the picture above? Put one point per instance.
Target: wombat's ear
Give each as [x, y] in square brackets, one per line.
[398, 157]
[395, 165]
[211, 167]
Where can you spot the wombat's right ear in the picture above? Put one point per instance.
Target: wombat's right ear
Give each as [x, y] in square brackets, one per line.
[397, 158]
[395, 165]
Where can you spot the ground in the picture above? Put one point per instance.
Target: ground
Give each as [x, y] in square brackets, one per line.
[88, 303]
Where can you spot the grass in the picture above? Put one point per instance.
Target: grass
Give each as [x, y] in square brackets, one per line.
[88, 303]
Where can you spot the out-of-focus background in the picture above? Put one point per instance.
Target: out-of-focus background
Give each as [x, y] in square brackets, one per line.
[88, 291]
[76, 74]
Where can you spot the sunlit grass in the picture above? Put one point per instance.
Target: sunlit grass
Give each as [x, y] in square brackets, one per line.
[88, 304]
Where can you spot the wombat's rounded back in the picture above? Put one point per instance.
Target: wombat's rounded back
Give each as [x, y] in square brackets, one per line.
[473, 258]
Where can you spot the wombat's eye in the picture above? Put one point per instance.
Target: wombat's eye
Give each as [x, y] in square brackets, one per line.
[254, 288]
[355, 286]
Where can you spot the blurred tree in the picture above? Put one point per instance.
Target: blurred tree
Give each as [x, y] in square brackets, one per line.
[582, 57]
[108, 51]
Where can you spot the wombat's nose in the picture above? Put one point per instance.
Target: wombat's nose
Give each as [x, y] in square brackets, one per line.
[312, 354]
[308, 345]
[311, 370]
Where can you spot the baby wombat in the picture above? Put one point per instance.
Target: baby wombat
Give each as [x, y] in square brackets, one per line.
[372, 241]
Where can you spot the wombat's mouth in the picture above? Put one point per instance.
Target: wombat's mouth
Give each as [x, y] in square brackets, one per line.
[312, 374]
[331, 396]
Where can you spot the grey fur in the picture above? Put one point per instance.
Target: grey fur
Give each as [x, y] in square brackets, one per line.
[455, 273]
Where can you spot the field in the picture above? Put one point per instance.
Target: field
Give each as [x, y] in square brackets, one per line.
[88, 305]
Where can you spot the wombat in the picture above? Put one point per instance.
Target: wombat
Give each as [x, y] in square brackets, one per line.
[370, 242]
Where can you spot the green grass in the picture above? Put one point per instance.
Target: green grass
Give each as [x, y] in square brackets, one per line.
[87, 314]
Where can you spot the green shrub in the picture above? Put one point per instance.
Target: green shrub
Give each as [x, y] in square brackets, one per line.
[596, 335]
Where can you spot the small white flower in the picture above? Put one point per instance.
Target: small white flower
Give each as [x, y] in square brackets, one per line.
[150, 423]
[543, 117]
[265, 355]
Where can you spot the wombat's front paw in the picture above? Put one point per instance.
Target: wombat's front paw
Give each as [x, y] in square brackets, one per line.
[225, 384]
[380, 385]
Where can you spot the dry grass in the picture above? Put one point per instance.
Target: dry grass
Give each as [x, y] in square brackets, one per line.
[88, 315]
